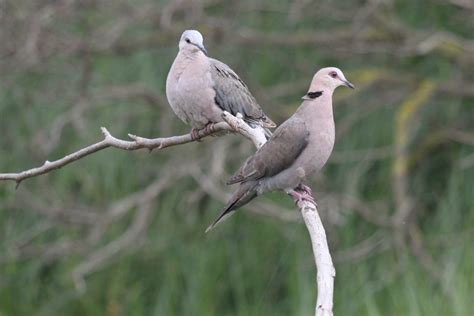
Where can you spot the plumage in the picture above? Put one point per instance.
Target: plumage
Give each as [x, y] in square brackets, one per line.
[233, 95]
[277, 154]
[314, 95]
[200, 88]
[297, 150]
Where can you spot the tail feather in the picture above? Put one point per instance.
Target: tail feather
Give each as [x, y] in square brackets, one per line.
[244, 194]
[226, 213]
[239, 177]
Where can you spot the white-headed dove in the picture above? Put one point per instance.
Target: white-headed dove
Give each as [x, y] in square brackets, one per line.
[297, 150]
[200, 88]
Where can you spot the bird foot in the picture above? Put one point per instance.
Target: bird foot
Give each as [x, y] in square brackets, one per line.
[195, 134]
[208, 129]
[306, 189]
[301, 198]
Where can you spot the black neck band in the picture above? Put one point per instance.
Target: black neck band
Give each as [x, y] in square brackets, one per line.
[315, 94]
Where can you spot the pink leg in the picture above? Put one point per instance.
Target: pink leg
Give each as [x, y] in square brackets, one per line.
[301, 197]
[194, 134]
[305, 189]
[208, 129]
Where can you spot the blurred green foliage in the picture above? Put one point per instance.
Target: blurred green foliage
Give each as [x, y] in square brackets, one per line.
[252, 265]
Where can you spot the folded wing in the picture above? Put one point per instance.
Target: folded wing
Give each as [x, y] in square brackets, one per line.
[278, 153]
[233, 95]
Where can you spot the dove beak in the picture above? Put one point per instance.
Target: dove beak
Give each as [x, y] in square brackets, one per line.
[348, 84]
[201, 48]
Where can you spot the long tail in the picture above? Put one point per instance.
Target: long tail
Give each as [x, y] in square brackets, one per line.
[246, 192]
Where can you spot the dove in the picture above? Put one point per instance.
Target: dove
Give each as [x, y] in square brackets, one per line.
[297, 150]
[200, 88]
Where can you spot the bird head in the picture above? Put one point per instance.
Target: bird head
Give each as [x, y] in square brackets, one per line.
[329, 78]
[192, 41]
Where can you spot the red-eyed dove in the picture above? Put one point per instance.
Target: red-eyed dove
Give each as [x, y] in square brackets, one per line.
[297, 150]
[200, 88]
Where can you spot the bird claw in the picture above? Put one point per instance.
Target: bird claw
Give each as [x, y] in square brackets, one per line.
[301, 198]
[195, 134]
[305, 198]
[306, 189]
[210, 128]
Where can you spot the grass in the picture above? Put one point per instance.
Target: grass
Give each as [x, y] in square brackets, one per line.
[251, 265]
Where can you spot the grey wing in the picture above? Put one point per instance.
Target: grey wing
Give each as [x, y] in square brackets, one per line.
[278, 153]
[233, 95]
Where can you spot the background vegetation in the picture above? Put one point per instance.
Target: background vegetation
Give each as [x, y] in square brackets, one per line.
[122, 233]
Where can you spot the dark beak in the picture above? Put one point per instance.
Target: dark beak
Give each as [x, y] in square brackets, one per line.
[201, 48]
[348, 84]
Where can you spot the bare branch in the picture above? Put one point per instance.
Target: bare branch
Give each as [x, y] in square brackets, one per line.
[325, 268]
[97, 259]
[232, 124]
[326, 271]
[376, 243]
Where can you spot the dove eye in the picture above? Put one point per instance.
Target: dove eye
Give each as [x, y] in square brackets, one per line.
[187, 40]
[333, 74]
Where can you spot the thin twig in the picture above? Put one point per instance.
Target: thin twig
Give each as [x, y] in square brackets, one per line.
[99, 257]
[232, 124]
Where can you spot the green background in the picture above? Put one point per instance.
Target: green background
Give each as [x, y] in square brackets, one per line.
[122, 233]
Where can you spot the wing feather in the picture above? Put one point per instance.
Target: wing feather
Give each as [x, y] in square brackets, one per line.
[278, 153]
[233, 95]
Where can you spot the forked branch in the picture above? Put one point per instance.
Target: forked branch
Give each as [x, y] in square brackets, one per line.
[231, 124]
[322, 256]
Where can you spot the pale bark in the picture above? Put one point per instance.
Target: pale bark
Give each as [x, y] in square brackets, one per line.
[322, 256]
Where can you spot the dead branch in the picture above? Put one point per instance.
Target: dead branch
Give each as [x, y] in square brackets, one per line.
[232, 124]
[325, 268]
[97, 259]
[121, 207]
[376, 243]
[324, 265]
[47, 139]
